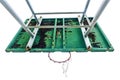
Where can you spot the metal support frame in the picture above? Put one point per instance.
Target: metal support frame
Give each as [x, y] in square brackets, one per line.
[88, 20]
[64, 33]
[84, 13]
[99, 12]
[75, 26]
[31, 40]
[33, 34]
[29, 5]
[46, 13]
[26, 27]
[28, 22]
[12, 12]
[86, 39]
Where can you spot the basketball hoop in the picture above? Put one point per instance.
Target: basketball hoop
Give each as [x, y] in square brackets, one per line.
[55, 61]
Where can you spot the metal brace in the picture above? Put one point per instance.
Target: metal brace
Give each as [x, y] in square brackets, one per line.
[31, 40]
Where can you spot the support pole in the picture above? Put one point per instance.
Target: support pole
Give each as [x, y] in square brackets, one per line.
[86, 7]
[99, 12]
[12, 12]
[29, 5]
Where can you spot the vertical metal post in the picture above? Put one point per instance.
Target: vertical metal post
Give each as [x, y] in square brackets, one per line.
[11, 11]
[63, 33]
[86, 7]
[29, 5]
[54, 34]
[99, 12]
[86, 39]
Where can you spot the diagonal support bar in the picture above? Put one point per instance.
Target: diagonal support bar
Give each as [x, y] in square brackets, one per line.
[99, 12]
[86, 7]
[12, 12]
[29, 5]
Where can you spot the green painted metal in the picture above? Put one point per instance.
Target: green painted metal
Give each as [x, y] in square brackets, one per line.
[60, 39]
[54, 35]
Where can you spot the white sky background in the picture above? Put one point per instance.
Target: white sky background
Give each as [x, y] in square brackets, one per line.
[83, 66]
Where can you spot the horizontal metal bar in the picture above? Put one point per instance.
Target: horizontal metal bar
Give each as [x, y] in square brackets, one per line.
[45, 13]
[85, 26]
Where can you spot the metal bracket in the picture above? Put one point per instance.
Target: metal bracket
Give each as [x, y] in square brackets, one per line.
[89, 23]
[31, 40]
[29, 21]
[86, 39]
